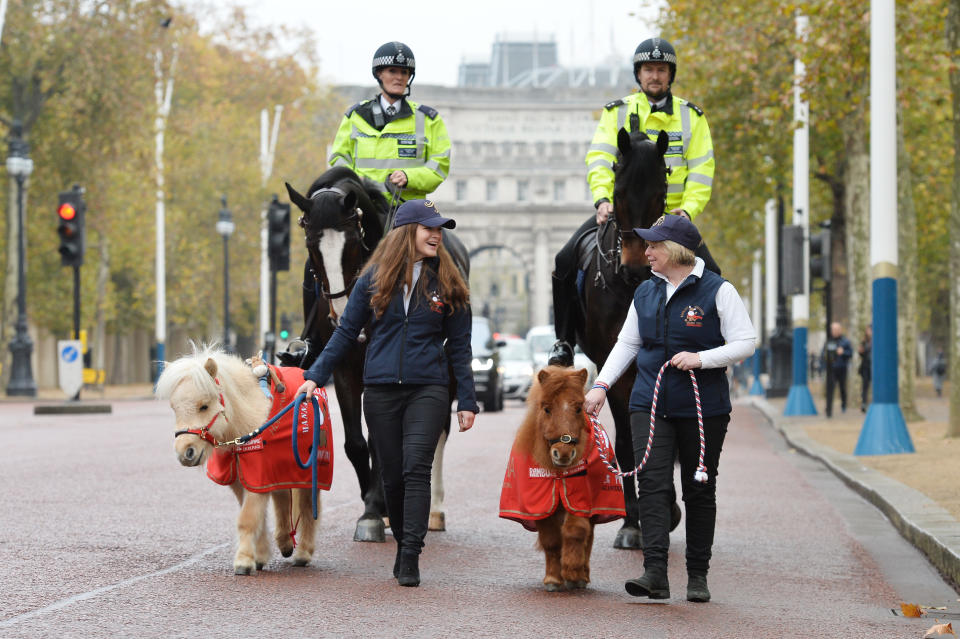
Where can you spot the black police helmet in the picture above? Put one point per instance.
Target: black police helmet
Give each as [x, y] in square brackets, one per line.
[655, 50]
[394, 54]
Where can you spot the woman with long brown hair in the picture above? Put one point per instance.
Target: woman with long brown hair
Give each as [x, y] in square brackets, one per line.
[412, 299]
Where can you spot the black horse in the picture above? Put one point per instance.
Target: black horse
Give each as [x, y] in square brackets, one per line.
[344, 218]
[617, 265]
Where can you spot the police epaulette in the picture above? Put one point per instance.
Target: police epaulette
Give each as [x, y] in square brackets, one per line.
[694, 107]
[353, 108]
[614, 104]
[429, 111]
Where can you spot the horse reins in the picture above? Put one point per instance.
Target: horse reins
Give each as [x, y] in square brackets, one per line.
[701, 473]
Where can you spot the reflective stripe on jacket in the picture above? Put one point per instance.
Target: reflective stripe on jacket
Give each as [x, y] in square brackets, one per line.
[415, 142]
[689, 156]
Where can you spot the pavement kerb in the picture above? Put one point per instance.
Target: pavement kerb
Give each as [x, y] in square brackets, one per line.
[926, 525]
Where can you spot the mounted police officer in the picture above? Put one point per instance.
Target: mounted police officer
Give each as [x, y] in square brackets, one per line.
[689, 159]
[391, 139]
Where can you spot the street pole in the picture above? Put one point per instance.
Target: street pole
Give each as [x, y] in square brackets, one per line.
[268, 282]
[781, 341]
[799, 400]
[756, 291]
[225, 227]
[884, 430]
[163, 92]
[19, 165]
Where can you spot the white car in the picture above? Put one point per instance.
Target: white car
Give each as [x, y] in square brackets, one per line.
[541, 340]
[517, 362]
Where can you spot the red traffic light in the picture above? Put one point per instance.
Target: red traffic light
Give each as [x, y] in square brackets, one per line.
[66, 211]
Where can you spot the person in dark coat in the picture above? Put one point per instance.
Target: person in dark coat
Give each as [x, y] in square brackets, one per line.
[866, 362]
[837, 353]
[411, 298]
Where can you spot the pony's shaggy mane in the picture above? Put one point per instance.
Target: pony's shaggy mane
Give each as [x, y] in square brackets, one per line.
[562, 384]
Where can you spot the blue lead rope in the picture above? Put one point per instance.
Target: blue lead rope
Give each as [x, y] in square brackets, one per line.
[311, 462]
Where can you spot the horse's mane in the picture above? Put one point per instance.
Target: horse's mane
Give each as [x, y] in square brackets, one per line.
[369, 196]
[562, 383]
[237, 383]
[638, 176]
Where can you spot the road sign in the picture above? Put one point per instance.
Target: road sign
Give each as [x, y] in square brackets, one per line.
[70, 365]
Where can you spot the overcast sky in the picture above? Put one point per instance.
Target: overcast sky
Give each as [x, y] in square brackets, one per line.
[442, 34]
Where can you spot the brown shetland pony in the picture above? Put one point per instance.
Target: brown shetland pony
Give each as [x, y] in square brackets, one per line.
[555, 433]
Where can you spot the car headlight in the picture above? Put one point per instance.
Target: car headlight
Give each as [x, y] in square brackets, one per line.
[482, 364]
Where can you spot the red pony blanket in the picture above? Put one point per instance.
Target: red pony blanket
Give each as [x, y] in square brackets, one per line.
[266, 462]
[588, 489]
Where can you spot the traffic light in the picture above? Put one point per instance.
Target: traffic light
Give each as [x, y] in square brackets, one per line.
[70, 218]
[278, 235]
[284, 327]
[820, 265]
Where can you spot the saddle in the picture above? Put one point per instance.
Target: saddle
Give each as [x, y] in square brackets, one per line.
[585, 251]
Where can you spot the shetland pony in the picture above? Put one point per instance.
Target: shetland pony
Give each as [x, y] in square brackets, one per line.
[200, 387]
[555, 482]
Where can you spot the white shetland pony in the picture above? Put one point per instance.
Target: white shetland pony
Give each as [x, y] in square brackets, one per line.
[216, 399]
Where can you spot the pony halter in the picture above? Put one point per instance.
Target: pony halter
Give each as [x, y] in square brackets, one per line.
[204, 433]
[701, 473]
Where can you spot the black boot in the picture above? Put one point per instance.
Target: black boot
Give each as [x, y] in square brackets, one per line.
[652, 584]
[697, 588]
[409, 569]
[396, 563]
[561, 354]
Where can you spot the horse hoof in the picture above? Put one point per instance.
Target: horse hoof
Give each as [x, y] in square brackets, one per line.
[300, 562]
[628, 539]
[552, 587]
[675, 515]
[243, 570]
[370, 530]
[438, 521]
[286, 552]
[260, 565]
[575, 585]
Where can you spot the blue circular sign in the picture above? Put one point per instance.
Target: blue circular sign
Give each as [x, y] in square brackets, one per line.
[69, 353]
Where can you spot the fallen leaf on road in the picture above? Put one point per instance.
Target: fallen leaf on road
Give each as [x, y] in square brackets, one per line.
[940, 629]
[911, 610]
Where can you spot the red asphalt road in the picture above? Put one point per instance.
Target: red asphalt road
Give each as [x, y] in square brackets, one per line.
[104, 534]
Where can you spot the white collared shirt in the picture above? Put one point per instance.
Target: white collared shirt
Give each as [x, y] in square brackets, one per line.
[384, 103]
[735, 326]
[408, 290]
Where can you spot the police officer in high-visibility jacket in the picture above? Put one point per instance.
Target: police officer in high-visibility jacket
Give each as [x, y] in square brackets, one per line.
[689, 159]
[393, 140]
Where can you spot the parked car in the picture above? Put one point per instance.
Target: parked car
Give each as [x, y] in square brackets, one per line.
[517, 361]
[487, 368]
[541, 340]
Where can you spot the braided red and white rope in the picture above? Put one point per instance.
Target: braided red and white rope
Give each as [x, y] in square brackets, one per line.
[700, 475]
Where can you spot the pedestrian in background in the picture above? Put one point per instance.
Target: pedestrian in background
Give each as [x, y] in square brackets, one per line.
[866, 361]
[411, 298]
[696, 320]
[837, 353]
[939, 371]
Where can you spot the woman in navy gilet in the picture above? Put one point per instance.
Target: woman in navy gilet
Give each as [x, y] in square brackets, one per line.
[697, 321]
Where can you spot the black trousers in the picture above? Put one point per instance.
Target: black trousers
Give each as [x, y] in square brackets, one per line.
[405, 423]
[837, 380]
[655, 485]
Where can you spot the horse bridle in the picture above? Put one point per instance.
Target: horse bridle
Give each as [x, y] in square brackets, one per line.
[355, 218]
[204, 433]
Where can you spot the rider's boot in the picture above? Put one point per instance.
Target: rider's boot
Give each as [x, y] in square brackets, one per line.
[564, 322]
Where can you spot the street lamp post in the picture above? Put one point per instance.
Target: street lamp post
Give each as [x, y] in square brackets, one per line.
[225, 227]
[19, 165]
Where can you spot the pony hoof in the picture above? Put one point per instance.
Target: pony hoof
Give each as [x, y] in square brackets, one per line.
[243, 570]
[628, 539]
[552, 587]
[370, 530]
[286, 552]
[438, 521]
[260, 565]
[300, 562]
[575, 585]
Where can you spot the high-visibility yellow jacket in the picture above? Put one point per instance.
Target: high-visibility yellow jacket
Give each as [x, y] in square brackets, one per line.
[689, 156]
[414, 141]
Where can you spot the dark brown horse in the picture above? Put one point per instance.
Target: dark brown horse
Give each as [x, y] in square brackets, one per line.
[344, 218]
[619, 266]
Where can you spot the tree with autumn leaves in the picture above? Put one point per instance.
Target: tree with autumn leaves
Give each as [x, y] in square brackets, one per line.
[80, 77]
[736, 61]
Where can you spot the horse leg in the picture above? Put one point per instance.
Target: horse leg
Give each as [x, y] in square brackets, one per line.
[588, 550]
[282, 504]
[348, 383]
[550, 540]
[263, 551]
[574, 560]
[303, 512]
[629, 536]
[438, 520]
[250, 524]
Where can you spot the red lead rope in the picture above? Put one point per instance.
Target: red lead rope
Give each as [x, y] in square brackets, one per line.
[700, 475]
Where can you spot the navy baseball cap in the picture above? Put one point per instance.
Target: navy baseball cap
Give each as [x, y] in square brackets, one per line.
[421, 212]
[672, 227]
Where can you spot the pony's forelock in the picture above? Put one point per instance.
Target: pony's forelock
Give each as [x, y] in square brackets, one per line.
[190, 367]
